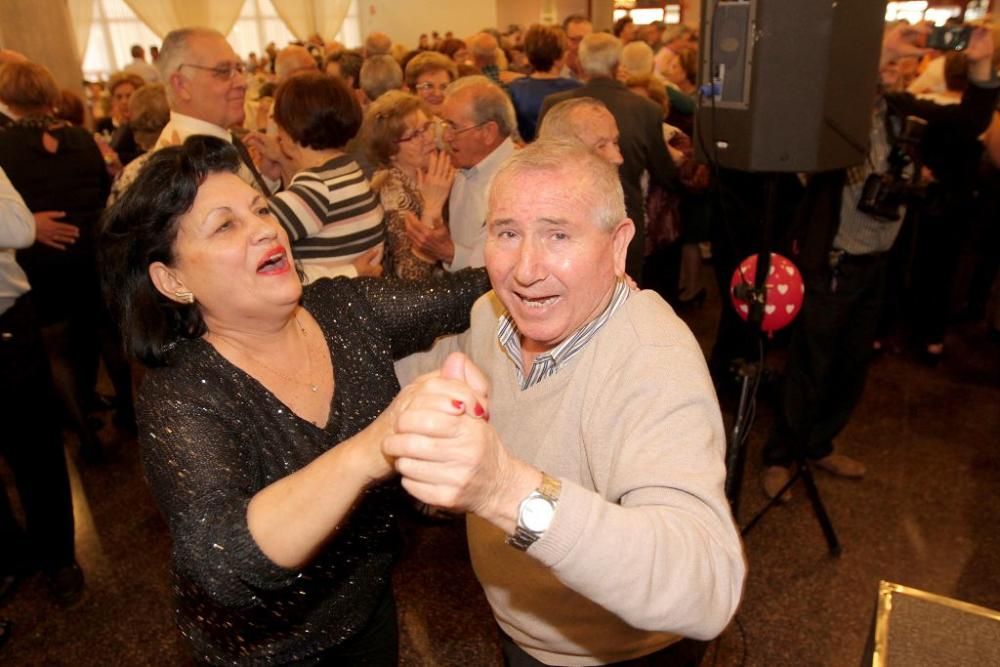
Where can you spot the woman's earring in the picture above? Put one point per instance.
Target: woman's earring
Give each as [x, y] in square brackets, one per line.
[184, 296]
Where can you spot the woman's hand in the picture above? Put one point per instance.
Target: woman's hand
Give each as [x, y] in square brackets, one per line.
[369, 263]
[452, 458]
[435, 183]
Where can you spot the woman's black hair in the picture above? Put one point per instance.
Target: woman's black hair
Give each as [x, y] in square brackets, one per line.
[139, 229]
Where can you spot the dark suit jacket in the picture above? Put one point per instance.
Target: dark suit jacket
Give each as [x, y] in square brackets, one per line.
[640, 123]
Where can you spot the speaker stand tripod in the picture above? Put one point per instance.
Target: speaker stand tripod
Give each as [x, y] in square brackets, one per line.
[750, 376]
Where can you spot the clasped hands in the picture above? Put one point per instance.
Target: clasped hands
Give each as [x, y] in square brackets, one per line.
[447, 453]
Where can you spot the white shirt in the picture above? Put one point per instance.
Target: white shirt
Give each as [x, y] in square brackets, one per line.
[148, 72]
[181, 127]
[467, 208]
[17, 230]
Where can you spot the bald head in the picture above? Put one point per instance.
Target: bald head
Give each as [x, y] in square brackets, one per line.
[483, 47]
[11, 56]
[378, 44]
[585, 120]
[293, 59]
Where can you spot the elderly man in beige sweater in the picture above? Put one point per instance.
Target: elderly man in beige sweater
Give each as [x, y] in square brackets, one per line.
[592, 470]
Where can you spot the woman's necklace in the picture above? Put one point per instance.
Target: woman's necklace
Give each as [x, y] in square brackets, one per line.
[309, 374]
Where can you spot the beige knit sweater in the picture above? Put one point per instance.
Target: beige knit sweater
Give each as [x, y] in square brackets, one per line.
[642, 547]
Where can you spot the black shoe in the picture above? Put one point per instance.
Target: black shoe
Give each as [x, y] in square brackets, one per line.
[66, 584]
[5, 627]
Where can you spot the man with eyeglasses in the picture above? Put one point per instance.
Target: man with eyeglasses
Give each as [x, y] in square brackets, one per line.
[576, 28]
[206, 87]
[478, 120]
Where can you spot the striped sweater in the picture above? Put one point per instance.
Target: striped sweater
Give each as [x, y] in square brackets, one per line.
[331, 216]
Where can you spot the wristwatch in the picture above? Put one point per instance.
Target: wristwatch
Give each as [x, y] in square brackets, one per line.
[535, 513]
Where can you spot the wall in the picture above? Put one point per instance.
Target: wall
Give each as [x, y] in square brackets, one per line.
[526, 12]
[405, 21]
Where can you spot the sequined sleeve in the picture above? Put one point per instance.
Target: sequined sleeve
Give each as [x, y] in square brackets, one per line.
[414, 313]
[198, 474]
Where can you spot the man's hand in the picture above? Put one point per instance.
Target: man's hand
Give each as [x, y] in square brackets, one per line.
[54, 234]
[268, 156]
[433, 242]
[369, 263]
[454, 459]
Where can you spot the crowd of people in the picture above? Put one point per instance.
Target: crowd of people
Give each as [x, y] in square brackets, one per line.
[280, 239]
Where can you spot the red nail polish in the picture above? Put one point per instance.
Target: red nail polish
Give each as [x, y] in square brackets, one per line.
[479, 411]
[458, 405]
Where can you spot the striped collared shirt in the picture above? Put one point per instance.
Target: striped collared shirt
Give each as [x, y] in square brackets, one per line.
[550, 362]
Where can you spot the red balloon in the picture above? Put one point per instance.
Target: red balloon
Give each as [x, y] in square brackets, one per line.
[783, 290]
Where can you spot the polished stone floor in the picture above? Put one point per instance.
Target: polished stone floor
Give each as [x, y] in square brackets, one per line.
[925, 516]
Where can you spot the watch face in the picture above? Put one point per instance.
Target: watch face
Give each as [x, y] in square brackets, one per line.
[537, 514]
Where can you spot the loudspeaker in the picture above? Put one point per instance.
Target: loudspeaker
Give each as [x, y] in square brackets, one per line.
[912, 627]
[788, 85]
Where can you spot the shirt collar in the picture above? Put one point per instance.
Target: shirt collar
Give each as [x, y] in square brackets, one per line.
[188, 126]
[549, 363]
[490, 163]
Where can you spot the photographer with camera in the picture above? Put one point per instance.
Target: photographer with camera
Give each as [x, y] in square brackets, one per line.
[844, 228]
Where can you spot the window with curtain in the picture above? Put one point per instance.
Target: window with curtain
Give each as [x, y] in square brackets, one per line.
[115, 28]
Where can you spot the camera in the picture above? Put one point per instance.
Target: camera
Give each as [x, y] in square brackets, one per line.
[950, 38]
[883, 194]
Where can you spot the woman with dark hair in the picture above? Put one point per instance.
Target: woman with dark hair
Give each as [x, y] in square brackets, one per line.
[544, 46]
[328, 209]
[263, 413]
[413, 176]
[58, 170]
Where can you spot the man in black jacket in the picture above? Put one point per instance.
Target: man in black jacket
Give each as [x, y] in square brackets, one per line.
[843, 256]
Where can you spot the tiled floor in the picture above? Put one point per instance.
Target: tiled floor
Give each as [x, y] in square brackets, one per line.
[925, 516]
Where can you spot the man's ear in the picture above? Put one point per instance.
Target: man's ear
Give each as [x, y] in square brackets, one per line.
[167, 283]
[621, 236]
[179, 85]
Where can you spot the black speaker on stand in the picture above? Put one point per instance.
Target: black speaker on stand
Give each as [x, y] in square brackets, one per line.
[787, 86]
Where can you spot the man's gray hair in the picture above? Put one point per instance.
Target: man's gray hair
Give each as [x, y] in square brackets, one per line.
[490, 103]
[175, 51]
[600, 54]
[596, 180]
[379, 75]
[559, 123]
[637, 59]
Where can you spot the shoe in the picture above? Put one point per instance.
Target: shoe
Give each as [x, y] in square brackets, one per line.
[5, 627]
[66, 584]
[842, 466]
[773, 479]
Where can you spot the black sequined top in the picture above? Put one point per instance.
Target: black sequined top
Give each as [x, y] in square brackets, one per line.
[212, 437]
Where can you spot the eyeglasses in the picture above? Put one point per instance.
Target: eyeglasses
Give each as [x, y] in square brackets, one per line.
[427, 87]
[416, 133]
[450, 128]
[220, 72]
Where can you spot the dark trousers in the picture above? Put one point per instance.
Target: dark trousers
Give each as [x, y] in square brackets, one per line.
[32, 446]
[942, 230]
[828, 358]
[684, 653]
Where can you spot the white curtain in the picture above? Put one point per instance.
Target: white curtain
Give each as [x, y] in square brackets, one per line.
[162, 16]
[81, 12]
[308, 17]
